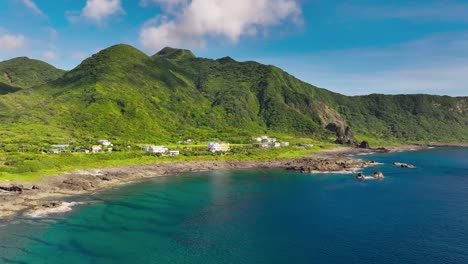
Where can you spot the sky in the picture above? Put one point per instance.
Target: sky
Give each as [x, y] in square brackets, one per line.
[351, 47]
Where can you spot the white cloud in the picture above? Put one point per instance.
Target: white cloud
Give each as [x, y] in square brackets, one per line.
[97, 11]
[9, 42]
[31, 5]
[50, 55]
[189, 24]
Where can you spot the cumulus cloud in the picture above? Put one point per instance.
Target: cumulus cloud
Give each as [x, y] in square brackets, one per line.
[31, 5]
[97, 11]
[50, 55]
[190, 23]
[9, 42]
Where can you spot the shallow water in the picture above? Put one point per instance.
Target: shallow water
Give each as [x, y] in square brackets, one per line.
[264, 216]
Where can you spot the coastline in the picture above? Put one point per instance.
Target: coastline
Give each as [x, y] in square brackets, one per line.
[46, 196]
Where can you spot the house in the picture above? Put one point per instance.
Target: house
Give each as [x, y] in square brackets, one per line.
[274, 144]
[61, 147]
[96, 148]
[215, 147]
[173, 153]
[155, 149]
[81, 149]
[105, 142]
[269, 140]
[53, 151]
[257, 139]
[188, 141]
[284, 144]
[261, 145]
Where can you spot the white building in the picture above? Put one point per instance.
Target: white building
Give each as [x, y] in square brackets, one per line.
[155, 149]
[257, 139]
[215, 146]
[284, 144]
[96, 148]
[173, 153]
[105, 142]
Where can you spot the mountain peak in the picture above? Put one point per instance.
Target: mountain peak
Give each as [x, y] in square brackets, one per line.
[173, 53]
[226, 60]
[122, 50]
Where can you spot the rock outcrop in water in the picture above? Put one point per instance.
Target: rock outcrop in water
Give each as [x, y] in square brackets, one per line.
[378, 175]
[403, 165]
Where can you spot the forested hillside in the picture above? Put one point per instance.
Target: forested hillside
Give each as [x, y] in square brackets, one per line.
[121, 93]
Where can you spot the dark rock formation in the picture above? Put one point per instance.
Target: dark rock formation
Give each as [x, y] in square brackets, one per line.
[364, 145]
[378, 175]
[360, 176]
[12, 188]
[52, 204]
[343, 133]
[403, 165]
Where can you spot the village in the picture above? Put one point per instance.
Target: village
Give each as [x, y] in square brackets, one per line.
[187, 145]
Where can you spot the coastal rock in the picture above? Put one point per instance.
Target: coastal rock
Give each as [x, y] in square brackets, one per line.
[364, 145]
[378, 175]
[12, 188]
[329, 165]
[403, 165]
[360, 176]
[344, 135]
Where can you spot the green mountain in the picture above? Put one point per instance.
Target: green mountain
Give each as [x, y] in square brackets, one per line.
[23, 72]
[122, 94]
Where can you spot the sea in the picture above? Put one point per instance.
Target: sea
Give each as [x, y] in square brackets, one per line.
[263, 216]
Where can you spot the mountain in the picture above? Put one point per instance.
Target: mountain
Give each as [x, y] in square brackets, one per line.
[121, 93]
[23, 72]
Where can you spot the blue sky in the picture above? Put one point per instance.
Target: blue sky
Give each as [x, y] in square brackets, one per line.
[351, 47]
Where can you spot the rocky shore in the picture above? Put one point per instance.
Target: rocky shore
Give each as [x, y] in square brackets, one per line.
[35, 198]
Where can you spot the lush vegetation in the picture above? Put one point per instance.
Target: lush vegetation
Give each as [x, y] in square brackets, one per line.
[23, 72]
[32, 166]
[123, 95]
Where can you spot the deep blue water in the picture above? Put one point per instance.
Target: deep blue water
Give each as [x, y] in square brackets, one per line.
[264, 216]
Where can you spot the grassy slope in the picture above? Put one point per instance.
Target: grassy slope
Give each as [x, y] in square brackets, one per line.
[23, 72]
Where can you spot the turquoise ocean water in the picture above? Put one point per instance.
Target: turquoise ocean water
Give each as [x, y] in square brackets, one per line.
[263, 216]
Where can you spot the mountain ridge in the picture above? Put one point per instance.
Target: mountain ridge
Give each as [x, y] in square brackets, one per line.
[173, 95]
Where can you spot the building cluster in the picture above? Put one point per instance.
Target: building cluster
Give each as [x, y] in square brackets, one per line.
[267, 142]
[160, 150]
[218, 147]
[102, 145]
[105, 145]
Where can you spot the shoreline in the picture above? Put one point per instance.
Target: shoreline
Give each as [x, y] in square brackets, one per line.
[47, 195]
